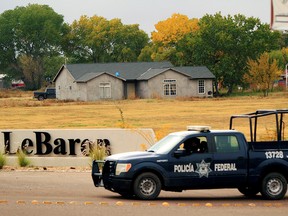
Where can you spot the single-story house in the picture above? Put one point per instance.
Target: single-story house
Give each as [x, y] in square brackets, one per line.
[2, 76]
[90, 82]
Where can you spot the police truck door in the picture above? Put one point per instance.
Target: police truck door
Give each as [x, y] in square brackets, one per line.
[230, 165]
[192, 169]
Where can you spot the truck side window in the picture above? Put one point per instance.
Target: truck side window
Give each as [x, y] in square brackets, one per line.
[196, 145]
[226, 143]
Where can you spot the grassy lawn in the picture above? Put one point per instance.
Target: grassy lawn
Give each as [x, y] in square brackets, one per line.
[21, 111]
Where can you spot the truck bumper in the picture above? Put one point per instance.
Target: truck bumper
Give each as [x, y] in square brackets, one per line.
[96, 173]
[111, 183]
[117, 185]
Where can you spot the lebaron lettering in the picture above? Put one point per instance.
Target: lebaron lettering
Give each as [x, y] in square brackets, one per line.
[26, 144]
[44, 145]
[7, 141]
[60, 146]
[72, 146]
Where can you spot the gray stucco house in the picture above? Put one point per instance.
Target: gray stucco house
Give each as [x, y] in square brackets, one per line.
[91, 82]
[2, 80]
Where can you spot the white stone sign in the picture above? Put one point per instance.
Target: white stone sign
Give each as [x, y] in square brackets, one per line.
[60, 143]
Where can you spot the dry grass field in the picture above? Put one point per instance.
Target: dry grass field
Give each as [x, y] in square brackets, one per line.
[18, 110]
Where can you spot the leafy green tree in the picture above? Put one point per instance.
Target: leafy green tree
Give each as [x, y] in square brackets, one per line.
[262, 73]
[183, 54]
[146, 54]
[28, 34]
[284, 52]
[224, 45]
[96, 39]
[279, 55]
[51, 67]
[30, 68]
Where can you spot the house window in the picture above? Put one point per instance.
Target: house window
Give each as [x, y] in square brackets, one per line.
[105, 90]
[169, 87]
[201, 86]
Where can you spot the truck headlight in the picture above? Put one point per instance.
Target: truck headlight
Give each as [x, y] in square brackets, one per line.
[122, 167]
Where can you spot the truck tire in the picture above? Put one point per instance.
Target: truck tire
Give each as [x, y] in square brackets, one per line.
[274, 186]
[147, 186]
[248, 192]
[40, 97]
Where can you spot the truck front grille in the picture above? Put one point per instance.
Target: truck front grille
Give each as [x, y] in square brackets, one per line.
[109, 168]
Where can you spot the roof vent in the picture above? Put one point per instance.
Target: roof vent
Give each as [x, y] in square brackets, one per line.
[199, 128]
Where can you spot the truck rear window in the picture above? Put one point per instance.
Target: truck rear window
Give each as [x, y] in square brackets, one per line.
[226, 143]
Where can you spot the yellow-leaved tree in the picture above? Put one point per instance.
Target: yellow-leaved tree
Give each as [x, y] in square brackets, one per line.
[168, 33]
[173, 29]
[262, 73]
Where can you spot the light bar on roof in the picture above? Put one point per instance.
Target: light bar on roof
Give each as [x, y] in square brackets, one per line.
[199, 128]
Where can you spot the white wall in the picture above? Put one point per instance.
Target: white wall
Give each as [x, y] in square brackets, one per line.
[185, 87]
[93, 90]
[66, 88]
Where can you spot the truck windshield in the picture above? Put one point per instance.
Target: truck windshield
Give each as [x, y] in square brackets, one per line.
[166, 144]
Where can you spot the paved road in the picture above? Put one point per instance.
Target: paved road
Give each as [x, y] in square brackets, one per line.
[72, 192]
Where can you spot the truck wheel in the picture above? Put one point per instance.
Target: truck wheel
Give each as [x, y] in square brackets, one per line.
[274, 186]
[248, 192]
[40, 98]
[147, 186]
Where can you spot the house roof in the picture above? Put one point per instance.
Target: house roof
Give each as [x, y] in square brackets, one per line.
[89, 76]
[132, 70]
[196, 72]
[200, 72]
[127, 71]
[152, 72]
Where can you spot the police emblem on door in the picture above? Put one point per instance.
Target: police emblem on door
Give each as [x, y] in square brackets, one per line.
[203, 169]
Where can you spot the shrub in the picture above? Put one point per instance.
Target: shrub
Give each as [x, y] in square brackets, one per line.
[23, 161]
[2, 160]
[97, 152]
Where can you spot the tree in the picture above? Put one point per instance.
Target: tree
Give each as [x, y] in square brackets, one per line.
[96, 39]
[30, 69]
[28, 34]
[224, 44]
[184, 51]
[281, 56]
[146, 54]
[167, 36]
[51, 67]
[171, 30]
[284, 52]
[262, 73]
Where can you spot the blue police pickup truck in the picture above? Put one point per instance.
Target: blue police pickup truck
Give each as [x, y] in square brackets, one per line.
[201, 158]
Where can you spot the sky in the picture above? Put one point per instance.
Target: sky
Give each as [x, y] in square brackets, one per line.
[147, 13]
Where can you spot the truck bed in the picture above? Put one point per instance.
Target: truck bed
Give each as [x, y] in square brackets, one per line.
[268, 145]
